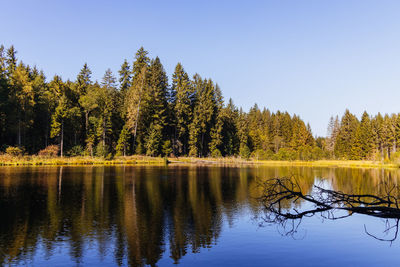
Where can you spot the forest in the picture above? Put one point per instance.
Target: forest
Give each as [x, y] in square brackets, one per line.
[140, 112]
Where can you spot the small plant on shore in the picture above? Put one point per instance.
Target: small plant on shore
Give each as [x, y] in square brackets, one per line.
[216, 153]
[167, 148]
[244, 152]
[76, 151]
[50, 151]
[14, 151]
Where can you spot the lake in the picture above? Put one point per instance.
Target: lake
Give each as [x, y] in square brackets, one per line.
[186, 215]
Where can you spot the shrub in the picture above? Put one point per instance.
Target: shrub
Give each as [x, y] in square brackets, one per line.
[285, 154]
[50, 151]
[167, 148]
[14, 151]
[101, 151]
[261, 154]
[244, 152]
[75, 151]
[216, 153]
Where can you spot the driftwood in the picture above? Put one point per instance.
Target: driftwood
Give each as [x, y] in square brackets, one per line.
[282, 196]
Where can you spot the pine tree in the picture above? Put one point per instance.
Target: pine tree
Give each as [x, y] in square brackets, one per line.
[182, 107]
[230, 140]
[134, 98]
[83, 79]
[364, 138]
[346, 135]
[216, 130]
[23, 98]
[203, 111]
[388, 135]
[4, 109]
[64, 110]
[11, 61]
[125, 79]
[123, 141]
[397, 131]
[106, 95]
[155, 107]
[377, 132]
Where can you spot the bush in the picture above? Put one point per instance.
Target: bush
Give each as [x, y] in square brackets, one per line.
[167, 148]
[261, 154]
[50, 151]
[285, 154]
[244, 152]
[75, 151]
[216, 153]
[101, 151]
[14, 151]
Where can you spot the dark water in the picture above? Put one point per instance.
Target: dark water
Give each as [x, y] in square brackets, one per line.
[192, 216]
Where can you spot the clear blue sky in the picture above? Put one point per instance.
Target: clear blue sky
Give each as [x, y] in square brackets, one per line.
[313, 58]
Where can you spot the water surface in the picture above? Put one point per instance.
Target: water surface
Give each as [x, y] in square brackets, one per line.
[192, 216]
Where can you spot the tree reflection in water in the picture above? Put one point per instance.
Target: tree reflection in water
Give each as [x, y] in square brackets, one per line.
[140, 215]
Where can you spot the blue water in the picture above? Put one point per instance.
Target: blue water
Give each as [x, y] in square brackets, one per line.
[191, 216]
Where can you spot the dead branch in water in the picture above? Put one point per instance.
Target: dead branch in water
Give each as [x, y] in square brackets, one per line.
[282, 196]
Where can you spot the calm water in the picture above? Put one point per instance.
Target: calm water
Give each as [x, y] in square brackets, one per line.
[192, 216]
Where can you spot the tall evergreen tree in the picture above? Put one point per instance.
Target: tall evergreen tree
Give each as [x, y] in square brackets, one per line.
[346, 136]
[183, 108]
[23, 99]
[134, 99]
[64, 110]
[155, 108]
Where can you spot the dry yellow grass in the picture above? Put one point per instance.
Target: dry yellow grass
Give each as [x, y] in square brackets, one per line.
[6, 160]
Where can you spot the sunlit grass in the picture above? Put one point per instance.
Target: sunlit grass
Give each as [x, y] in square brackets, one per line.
[7, 160]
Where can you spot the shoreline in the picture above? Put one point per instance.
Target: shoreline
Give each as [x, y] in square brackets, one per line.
[158, 161]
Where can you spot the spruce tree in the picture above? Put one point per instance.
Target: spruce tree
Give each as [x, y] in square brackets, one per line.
[346, 136]
[155, 107]
[182, 107]
[134, 99]
[64, 110]
[216, 130]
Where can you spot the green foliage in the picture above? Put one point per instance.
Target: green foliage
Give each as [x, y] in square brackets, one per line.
[285, 154]
[154, 140]
[347, 135]
[123, 142]
[182, 104]
[101, 150]
[216, 153]
[143, 114]
[14, 151]
[244, 152]
[76, 151]
[166, 148]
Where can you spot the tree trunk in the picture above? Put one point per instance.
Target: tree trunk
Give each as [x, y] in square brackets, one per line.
[138, 110]
[104, 132]
[86, 123]
[62, 138]
[19, 132]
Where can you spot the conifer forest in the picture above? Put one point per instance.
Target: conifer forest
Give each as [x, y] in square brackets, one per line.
[140, 110]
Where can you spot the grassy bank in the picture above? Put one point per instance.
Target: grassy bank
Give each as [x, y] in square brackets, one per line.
[6, 160]
[317, 163]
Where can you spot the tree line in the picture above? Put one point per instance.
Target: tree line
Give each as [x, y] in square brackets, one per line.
[141, 112]
[373, 137]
